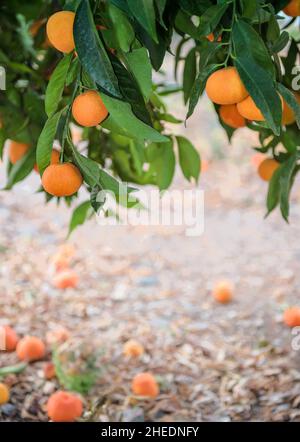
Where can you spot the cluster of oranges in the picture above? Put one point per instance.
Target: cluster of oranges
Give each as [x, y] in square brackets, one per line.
[62, 179]
[63, 406]
[237, 106]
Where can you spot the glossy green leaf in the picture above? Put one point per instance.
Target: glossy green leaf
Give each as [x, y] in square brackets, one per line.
[45, 142]
[139, 64]
[79, 216]
[56, 85]
[143, 11]
[189, 158]
[21, 169]
[92, 53]
[122, 121]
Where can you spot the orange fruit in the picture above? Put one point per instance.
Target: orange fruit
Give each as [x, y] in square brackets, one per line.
[248, 109]
[291, 317]
[60, 31]
[66, 279]
[88, 109]
[53, 160]
[4, 394]
[10, 337]
[223, 292]
[230, 116]
[225, 86]
[30, 348]
[144, 384]
[293, 8]
[17, 150]
[63, 406]
[288, 116]
[211, 37]
[257, 159]
[266, 168]
[49, 370]
[133, 348]
[63, 179]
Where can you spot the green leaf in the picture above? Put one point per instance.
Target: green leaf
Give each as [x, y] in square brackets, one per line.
[79, 216]
[161, 5]
[56, 85]
[211, 18]
[189, 158]
[247, 42]
[21, 169]
[273, 191]
[122, 121]
[199, 86]
[143, 11]
[158, 50]
[189, 74]
[131, 91]
[261, 88]
[162, 163]
[122, 28]
[2, 142]
[89, 168]
[119, 189]
[97, 201]
[45, 142]
[139, 65]
[286, 179]
[92, 53]
[291, 100]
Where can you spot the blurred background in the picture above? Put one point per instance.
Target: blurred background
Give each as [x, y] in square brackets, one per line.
[213, 362]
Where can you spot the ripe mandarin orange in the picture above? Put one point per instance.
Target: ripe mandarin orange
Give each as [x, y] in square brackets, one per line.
[60, 31]
[223, 292]
[4, 394]
[133, 348]
[66, 279]
[63, 179]
[17, 150]
[144, 384]
[88, 109]
[291, 317]
[63, 406]
[30, 348]
[248, 109]
[293, 8]
[225, 86]
[10, 337]
[266, 168]
[54, 159]
[230, 116]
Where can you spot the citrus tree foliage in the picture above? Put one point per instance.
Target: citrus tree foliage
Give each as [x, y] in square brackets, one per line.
[119, 43]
